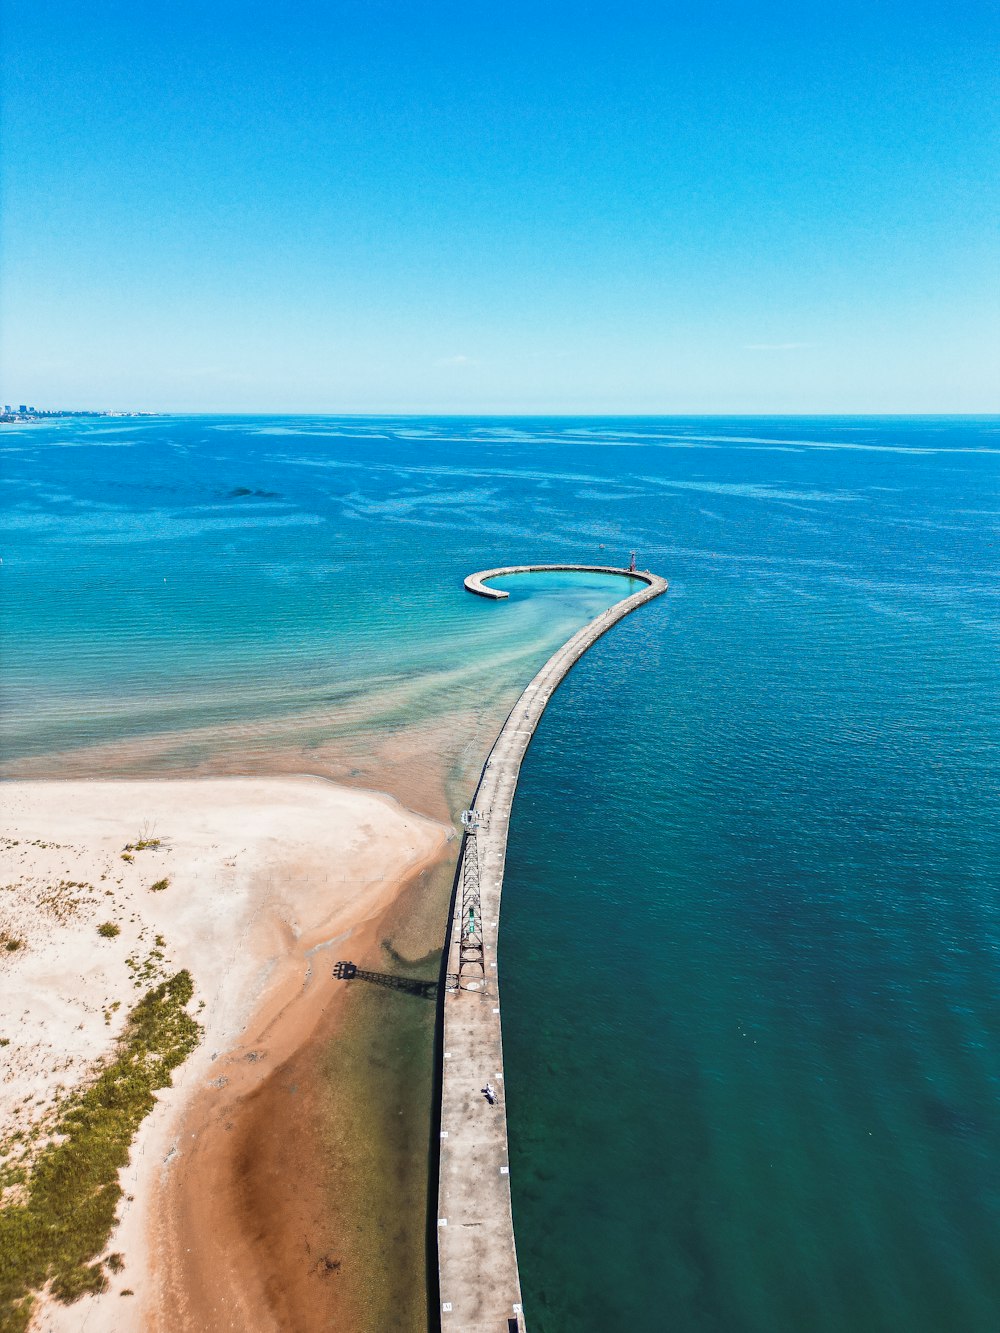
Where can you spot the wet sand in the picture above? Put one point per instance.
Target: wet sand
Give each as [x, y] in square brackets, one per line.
[299, 1206]
[425, 764]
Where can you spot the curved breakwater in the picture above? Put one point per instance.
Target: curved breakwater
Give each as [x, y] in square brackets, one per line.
[477, 582]
[477, 1259]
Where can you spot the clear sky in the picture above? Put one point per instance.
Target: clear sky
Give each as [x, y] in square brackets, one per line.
[609, 206]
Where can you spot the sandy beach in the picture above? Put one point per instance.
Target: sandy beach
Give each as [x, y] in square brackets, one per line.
[256, 886]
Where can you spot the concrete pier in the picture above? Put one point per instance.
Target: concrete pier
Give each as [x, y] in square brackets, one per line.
[480, 1290]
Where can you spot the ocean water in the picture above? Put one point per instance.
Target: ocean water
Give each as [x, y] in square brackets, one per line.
[751, 928]
[239, 587]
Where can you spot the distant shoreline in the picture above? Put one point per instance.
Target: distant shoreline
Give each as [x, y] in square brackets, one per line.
[11, 415]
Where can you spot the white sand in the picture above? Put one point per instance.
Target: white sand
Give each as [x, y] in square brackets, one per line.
[265, 876]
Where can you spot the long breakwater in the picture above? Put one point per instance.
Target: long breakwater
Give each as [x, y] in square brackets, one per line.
[477, 1258]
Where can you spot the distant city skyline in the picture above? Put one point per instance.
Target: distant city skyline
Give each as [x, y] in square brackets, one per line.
[604, 209]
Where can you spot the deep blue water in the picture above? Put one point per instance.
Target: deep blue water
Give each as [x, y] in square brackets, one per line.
[751, 927]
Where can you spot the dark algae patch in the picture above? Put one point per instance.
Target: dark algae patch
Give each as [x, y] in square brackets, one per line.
[60, 1212]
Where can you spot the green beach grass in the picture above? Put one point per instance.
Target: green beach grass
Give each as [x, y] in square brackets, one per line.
[60, 1211]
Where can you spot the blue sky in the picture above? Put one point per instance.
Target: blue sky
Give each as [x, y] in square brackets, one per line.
[586, 207]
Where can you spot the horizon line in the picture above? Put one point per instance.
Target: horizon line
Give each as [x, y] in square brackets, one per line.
[486, 412]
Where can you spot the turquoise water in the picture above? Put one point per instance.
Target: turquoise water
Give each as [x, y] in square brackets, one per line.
[751, 934]
[237, 587]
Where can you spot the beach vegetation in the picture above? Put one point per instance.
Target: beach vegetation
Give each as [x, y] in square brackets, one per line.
[127, 856]
[144, 971]
[12, 945]
[145, 841]
[159, 886]
[57, 1229]
[109, 930]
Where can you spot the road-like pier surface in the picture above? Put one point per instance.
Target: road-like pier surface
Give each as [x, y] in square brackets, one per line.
[477, 1261]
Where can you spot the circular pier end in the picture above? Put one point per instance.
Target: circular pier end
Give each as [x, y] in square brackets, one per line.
[476, 583]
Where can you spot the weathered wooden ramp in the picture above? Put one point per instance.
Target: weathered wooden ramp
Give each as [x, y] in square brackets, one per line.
[477, 1260]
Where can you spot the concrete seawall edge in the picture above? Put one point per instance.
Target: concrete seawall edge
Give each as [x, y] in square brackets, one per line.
[477, 1257]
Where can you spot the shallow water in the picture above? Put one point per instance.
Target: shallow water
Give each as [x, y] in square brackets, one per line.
[750, 942]
[189, 576]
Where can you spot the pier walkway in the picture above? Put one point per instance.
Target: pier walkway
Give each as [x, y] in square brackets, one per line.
[477, 1262]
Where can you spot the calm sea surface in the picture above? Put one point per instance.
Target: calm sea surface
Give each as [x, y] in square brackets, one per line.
[751, 939]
